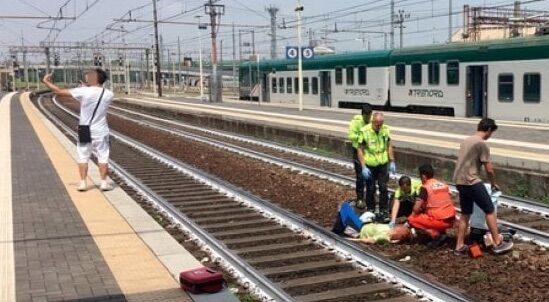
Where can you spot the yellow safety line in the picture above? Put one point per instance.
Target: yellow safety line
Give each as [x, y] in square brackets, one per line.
[135, 268]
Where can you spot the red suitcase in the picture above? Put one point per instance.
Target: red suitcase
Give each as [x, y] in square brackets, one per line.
[201, 280]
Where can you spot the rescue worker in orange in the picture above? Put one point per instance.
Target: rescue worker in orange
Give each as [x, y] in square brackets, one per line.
[434, 210]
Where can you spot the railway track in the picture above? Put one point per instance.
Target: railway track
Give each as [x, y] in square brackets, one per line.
[529, 218]
[287, 257]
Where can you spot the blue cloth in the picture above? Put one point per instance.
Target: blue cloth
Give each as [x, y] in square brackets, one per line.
[349, 217]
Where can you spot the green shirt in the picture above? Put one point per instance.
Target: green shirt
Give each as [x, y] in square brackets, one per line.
[416, 186]
[377, 232]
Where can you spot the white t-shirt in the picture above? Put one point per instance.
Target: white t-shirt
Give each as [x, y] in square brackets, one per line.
[88, 98]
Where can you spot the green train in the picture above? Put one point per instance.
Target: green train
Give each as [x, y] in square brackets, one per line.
[503, 79]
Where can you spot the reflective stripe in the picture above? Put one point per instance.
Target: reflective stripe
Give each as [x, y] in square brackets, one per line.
[376, 145]
[439, 202]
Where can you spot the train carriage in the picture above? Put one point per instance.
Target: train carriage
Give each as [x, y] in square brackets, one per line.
[504, 79]
[337, 80]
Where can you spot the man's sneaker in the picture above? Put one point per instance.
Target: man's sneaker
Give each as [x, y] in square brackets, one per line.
[83, 186]
[383, 217]
[503, 247]
[463, 251]
[105, 186]
[360, 204]
[437, 242]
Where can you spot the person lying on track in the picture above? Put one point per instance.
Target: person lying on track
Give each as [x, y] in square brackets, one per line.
[368, 232]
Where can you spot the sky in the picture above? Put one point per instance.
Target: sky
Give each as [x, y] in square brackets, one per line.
[427, 22]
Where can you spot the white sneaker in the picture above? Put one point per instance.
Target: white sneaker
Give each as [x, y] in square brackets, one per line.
[83, 186]
[105, 186]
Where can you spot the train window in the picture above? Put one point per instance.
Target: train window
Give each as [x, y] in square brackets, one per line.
[338, 76]
[416, 73]
[362, 75]
[289, 85]
[452, 73]
[273, 85]
[296, 85]
[400, 71]
[505, 87]
[350, 73]
[315, 85]
[532, 88]
[306, 85]
[434, 72]
[281, 85]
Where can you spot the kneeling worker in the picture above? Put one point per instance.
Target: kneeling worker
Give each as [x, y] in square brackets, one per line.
[404, 199]
[368, 232]
[434, 210]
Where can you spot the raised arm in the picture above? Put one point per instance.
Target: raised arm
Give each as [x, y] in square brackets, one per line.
[47, 80]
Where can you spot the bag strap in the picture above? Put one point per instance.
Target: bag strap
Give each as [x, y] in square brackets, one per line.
[97, 106]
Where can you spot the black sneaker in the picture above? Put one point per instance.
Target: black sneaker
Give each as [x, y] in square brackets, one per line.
[383, 217]
[463, 251]
[360, 204]
[437, 242]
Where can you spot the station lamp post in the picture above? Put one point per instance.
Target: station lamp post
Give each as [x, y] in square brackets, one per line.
[298, 10]
[200, 27]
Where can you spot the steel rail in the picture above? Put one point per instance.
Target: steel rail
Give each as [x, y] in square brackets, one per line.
[268, 288]
[506, 200]
[386, 268]
[524, 233]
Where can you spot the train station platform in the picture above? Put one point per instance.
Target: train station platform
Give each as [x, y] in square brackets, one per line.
[515, 145]
[58, 244]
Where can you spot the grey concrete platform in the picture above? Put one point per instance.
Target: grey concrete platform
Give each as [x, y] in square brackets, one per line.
[56, 259]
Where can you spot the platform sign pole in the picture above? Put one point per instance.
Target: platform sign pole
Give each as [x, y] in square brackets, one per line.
[298, 10]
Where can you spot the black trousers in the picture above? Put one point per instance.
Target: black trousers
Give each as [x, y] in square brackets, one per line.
[380, 176]
[406, 206]
[359, 178]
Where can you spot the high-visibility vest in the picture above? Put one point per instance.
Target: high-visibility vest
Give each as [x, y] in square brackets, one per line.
[439, 203]
[376, 145]
[355, 128]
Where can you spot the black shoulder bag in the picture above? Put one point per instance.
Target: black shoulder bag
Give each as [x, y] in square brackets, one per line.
[84, 132]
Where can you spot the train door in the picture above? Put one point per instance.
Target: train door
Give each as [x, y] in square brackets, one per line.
[477, 91]
[265, 88]
[325, 89]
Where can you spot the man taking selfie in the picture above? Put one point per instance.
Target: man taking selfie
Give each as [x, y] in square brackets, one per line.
[93, 130]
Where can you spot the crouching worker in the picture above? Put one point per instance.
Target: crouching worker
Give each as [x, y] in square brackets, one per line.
[434, 210]
[404, 199]
[368, 232]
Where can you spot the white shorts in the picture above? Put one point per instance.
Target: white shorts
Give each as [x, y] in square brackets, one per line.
[98, 147]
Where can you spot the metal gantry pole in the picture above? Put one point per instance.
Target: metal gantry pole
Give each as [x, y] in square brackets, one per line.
[200, 61]
[157, 50]
[449, 21]
[153, 71]
[258, 80]
[299, 9]
[179, 62]
[392, 32]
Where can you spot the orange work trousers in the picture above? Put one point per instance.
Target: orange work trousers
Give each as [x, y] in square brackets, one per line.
[430, 224]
